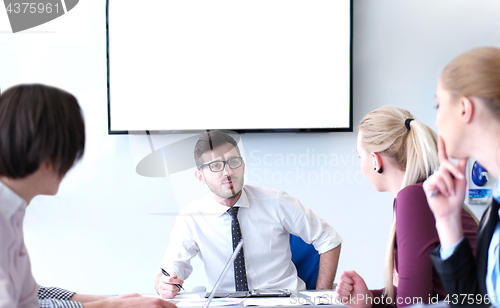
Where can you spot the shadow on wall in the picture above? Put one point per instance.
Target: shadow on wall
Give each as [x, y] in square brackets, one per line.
[176, 161]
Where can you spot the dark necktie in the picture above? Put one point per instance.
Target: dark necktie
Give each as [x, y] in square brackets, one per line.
[240, 275]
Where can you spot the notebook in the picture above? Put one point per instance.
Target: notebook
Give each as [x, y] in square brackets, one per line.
[240, 294]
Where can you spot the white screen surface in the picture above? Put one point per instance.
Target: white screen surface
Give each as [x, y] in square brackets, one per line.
[226, 64]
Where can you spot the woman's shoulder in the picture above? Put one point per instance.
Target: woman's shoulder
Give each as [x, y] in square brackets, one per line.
[411, 200]
[415, 190]
[413, 212]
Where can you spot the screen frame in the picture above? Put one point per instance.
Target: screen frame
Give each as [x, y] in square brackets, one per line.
[239, 131]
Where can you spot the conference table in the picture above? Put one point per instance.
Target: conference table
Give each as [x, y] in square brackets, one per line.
[306, 298]
[298, 299]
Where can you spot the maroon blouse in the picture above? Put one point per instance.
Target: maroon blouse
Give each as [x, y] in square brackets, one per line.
[416, 237]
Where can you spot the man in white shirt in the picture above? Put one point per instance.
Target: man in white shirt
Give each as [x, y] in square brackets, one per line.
[264, 219]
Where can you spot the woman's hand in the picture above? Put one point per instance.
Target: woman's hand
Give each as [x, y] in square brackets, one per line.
[352, 290]
[445, 191]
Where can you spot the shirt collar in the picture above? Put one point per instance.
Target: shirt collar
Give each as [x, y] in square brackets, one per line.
[243, 200]
[10, 202]
[496, 190]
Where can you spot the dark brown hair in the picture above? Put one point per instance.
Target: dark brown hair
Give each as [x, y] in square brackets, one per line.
[209, 141]
[37, 123]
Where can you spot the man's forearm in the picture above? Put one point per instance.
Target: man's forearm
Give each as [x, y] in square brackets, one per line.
[82, 298]
[328, 263]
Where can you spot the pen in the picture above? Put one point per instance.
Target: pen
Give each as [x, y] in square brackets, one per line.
[168, 275]
[435, 192]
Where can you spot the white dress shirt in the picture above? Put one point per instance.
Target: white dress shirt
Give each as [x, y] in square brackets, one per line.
[267, 217]
[493, 268]
[492, 271]
[17, 285]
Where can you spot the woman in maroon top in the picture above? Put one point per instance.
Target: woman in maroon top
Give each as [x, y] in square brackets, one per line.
[397, 154]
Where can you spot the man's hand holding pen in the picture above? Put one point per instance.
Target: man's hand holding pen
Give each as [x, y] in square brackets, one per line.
[168, 287]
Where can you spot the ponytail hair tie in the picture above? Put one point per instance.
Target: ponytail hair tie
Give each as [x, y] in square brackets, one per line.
[407, 123]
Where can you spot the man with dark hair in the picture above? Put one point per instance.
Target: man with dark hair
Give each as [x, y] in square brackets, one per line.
[42, 134]
[212, 227]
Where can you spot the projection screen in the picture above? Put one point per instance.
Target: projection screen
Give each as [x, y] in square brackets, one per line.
[247, 66]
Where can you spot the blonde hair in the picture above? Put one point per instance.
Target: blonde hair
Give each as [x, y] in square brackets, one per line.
[414, 151]
[475, 73]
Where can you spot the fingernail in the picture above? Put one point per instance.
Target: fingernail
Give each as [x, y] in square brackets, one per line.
[460, 176]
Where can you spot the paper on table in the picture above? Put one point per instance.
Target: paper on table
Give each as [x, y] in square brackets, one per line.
[321, 297]
[273, 301]
[319, 293]
[215, 302]
[187, 295]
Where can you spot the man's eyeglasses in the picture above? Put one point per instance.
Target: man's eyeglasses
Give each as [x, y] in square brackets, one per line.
[219, 165]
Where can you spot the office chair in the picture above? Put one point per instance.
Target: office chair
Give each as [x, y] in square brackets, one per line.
[306, 260]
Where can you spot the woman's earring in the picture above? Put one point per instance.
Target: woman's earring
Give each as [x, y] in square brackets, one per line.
[380, 170]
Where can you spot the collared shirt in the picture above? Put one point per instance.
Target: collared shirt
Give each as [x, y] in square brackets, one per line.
[17, 285]
[267, 217]
[18, 288]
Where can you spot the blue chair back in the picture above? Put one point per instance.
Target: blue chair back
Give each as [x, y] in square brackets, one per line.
[306, 260]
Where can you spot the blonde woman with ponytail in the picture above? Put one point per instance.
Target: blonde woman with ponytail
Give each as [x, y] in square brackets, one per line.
[397, 154]
[468, 120]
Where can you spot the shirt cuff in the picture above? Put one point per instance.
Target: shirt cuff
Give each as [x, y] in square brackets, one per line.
[55, 303]
[446, 253]
[54, 293]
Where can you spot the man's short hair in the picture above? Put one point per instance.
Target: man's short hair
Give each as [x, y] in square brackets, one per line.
[209, 141]
[37, 123]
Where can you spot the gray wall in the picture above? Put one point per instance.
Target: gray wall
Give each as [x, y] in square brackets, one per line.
[106, 230]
